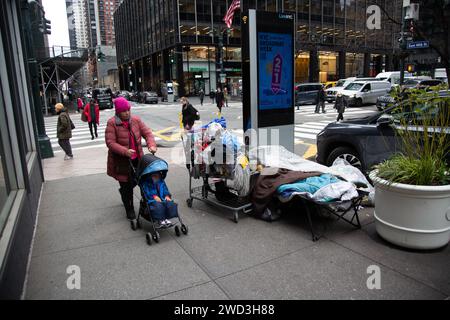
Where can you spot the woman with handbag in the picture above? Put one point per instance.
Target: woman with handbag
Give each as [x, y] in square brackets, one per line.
[64, 130]
[123, 136]
[190, 114]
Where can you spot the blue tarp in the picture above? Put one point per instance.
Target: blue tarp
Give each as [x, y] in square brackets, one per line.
[220, 121]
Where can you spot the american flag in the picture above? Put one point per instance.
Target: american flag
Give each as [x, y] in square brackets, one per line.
[236, 4]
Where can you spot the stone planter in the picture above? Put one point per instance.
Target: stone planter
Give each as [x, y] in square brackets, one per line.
[415, 217]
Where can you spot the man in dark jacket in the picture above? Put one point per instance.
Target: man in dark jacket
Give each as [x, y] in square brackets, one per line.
[190, 114]
[320, 101]
[220, 99]
[340, 106]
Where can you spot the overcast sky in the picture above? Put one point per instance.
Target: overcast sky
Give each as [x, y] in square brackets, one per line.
[55, 11]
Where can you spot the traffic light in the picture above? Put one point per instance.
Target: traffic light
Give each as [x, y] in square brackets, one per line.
[410, 68]
[45, 25]
[101, 57]
[171, 58]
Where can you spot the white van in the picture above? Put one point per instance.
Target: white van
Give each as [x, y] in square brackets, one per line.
[393, 77]
[359, 93]
[331, 93]
[440, 74]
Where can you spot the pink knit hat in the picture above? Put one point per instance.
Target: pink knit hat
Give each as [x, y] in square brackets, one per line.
[121, 105]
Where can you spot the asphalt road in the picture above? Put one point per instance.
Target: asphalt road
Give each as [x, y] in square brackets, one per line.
[164, 120]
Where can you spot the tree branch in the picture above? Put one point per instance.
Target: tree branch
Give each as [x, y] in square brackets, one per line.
[389, 17]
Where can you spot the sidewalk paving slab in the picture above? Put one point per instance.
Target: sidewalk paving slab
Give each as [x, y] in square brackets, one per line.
[224, 247]
[127, 269]
[77, 230]
[208, 291]
[322, 271]
[431, 267]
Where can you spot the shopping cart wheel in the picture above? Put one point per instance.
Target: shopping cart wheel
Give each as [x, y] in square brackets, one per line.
[177, 231]
[189, 203]
[236, 217]
[184, 229]
[133, 224]
[156, 237]
[148, 237]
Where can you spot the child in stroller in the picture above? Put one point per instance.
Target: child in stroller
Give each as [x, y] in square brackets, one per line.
[160, 203]
[157, 204]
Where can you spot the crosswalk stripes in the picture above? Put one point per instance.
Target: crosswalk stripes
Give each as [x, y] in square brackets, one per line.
[81, 136]
[308, 111]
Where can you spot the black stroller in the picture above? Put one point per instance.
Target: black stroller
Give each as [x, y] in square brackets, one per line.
[148, 165]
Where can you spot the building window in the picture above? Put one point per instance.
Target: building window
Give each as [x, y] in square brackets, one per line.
[8, 165]
[328, 66]
[354, 64]
[302, 67]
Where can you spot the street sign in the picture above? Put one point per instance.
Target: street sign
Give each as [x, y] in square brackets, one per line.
[418, 45]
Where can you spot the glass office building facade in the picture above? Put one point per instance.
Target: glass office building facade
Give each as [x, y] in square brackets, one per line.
[21, 175]
[158, 41]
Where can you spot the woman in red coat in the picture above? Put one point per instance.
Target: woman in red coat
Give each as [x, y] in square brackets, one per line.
[92, 113]
[123, 136]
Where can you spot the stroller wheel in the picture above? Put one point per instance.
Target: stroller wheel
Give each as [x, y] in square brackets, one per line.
[148, 237]
[189, 203]
[134, 225]
[184, 229]
[156, 237]
[138, 225]
[177, 231]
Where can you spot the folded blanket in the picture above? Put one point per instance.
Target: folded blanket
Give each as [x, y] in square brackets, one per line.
[324, 188]
[268, 182]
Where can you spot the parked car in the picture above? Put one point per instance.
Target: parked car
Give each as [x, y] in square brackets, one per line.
[329, 84]
[387, 100]
[365, 142]
[422, 83]
[307, 93]
[124, 94]
[149, 97]
[135, 96]
[104, 97]
[359, 93]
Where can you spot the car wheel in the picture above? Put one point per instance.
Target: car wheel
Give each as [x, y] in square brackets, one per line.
[346, 153]
[358, 103]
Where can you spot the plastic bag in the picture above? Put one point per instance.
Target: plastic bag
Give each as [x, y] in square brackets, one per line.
[344, 169]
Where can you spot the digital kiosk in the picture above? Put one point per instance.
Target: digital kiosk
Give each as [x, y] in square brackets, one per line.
[268, 78]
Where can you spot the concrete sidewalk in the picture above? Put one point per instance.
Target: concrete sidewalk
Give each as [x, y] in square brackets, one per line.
[82, 223]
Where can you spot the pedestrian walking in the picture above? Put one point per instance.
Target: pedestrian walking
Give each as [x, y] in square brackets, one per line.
[320, 101]
[226, 96]
[123, 136]
[80, 104]
[64, 130]
[220, 99]
[212, 96]
[92, 114]
[201, 94]
[189, 113]
[340, 105]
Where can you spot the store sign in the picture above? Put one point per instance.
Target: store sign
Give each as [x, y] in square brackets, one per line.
[275, 71]
[198, 69]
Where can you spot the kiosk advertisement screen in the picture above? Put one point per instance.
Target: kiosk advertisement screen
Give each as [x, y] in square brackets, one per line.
[275, 71]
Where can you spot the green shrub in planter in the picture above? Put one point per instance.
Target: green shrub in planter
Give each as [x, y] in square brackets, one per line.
[422, 124]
